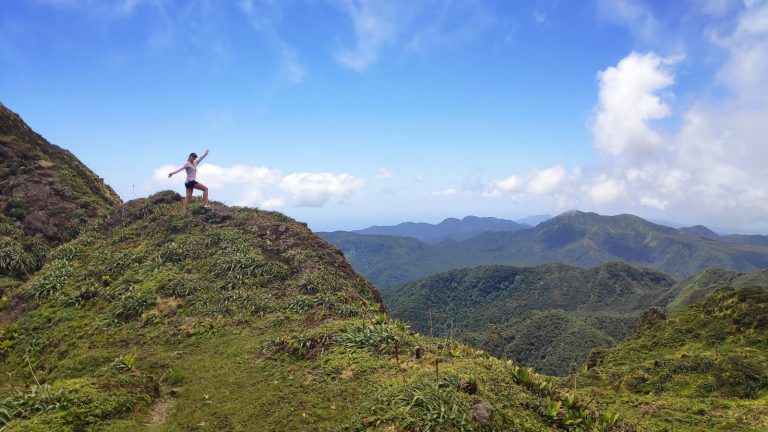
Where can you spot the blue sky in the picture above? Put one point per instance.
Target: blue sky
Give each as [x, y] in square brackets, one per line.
[349, 113]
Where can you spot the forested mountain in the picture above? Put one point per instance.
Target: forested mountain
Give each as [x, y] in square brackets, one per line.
[577, 238]
[449, 229]
[745, 239]
[548, 316]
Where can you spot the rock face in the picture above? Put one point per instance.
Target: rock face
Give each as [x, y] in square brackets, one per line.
[651, 316]
[45, 190]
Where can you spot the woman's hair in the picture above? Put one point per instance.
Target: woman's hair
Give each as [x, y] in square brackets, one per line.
[193, 154]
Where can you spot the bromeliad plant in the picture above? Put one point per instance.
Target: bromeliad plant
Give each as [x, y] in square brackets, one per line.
[36, 399]
[564, 408]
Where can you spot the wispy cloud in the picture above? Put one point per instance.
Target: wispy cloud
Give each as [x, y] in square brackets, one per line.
[411, 26]
[446, 192]
[384, 173]
[108, 9]
[375, 25]
[635, 14]
[264, 17]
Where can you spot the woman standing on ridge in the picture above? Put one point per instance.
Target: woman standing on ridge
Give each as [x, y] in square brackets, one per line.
[191, 183]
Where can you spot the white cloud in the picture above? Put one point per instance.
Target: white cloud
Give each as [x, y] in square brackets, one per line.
[510, 184]
[605, 190]
[384, 173]
[274, 202]
[628, 100]
[253, 184]
[318, 189]
[714, 166]
[654, 203]
[546, 181]
[447, 192]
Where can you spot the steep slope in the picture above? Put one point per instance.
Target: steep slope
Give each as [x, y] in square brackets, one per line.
[230, 319]
[46, 196]
[490, 306]
[449, 229]
[577, 238]
[710, 358]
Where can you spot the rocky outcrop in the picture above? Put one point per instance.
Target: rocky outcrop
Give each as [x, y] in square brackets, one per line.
[45, 190]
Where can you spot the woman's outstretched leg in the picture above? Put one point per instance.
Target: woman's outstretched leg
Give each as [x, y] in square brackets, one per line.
[203, 188]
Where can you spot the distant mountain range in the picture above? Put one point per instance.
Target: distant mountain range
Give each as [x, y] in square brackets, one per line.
[449, 229]
[534, 220]
[574, 237]
[704, 232]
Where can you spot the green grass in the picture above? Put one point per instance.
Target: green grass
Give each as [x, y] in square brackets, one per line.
[706, 366]
[266, 329]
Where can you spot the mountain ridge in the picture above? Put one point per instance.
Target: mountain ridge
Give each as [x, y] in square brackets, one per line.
[449, 229]
[575, 238]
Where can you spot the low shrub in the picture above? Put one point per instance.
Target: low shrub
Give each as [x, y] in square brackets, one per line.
[51, 280]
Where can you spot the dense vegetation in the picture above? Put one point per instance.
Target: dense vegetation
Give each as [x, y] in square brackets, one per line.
[697, 288]
[577, 238]
[230, 319]
[576, 309]
[708, 359]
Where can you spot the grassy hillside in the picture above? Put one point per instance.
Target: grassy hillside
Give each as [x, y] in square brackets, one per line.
[231, 319]
[697, 288]
[490, 306]
[710, 358]
[46, 197]
[576, 238]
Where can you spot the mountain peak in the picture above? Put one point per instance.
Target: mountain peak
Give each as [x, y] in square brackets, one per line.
[700, 231]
